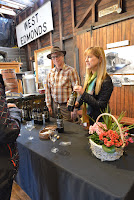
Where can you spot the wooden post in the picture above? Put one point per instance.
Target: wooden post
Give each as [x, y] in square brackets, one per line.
[119, 6]
[29, 55]
[120, 3]
[38, 43]
[74, 34]
[51, 38]
[73, 15]
[60, 24]
[93, 14]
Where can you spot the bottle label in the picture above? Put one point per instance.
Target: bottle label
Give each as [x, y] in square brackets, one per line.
[46, 115]
[35, 115]
[72, 100]
[25, 114]
[39, 116]
[60, 123]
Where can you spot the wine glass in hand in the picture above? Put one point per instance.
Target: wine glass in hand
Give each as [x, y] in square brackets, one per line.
[53, 138]
[29, 127]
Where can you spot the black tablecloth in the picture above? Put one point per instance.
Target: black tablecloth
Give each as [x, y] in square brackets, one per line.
[78, 176]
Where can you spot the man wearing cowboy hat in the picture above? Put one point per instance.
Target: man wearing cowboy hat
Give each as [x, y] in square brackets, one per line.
[59, 84]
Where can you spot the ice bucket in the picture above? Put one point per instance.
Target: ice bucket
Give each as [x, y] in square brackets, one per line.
[29, 86]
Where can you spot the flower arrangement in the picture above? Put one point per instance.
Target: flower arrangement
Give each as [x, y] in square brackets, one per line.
[110, 135]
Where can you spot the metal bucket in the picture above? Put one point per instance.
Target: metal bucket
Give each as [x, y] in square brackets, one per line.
[29, 86]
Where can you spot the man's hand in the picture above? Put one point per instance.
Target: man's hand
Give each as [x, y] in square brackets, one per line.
[74, 114]
[50, 110]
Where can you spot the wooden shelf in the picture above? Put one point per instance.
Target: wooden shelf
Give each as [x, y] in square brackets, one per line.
[16, 66]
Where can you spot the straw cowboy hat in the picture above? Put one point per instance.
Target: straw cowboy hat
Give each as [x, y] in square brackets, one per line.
[55, 50]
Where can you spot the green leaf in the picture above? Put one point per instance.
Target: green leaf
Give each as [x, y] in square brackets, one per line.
[95, 138]
[108, 149]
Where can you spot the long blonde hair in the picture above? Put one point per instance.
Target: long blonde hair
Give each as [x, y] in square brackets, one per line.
[101, 69]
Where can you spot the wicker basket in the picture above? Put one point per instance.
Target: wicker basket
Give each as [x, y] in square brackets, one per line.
[98, 151]
[47, 131]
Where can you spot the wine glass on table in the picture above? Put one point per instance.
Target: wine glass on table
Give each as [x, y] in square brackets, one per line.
[53, 138]
[29, 126]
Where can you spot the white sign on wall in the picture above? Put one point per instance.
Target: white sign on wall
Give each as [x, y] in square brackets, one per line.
[108, 10]
[36, 25]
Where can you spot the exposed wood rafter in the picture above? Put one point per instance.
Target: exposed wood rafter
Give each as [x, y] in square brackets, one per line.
[12, 4]
[13, 7]
[86, 13]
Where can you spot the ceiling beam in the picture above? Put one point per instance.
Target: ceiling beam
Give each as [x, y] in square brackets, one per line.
[11, 5]
[7, 11]
[2, 15]
[8, 7]
[25, 2]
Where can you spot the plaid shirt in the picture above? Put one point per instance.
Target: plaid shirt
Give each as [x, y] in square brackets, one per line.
[60, 84]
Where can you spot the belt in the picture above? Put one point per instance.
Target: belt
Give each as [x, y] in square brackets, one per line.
[60, 103]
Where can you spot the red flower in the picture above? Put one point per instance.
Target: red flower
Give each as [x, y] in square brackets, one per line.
[111, 138]
[130, 140]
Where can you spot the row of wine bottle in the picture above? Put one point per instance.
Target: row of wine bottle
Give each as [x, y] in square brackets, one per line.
[40, 116]
[36, 113]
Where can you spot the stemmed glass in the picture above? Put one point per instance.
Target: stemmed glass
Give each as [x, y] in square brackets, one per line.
[29, 127]
[53, 138]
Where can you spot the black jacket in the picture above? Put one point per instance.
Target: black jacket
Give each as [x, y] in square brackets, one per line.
[9, 130]
[98, 102]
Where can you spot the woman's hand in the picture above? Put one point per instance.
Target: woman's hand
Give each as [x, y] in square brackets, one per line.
[11, 105]
[78, 89]
[76, 104]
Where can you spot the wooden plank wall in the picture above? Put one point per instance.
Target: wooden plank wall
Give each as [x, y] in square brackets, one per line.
[122, 98]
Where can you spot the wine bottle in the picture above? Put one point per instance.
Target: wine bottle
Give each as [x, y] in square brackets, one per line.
[17, 104]
[72, 99]
[59, 120]
[46, 113]
[35, 113]
[25, 111]
[39, 115]
[22, 111]
[28, 111]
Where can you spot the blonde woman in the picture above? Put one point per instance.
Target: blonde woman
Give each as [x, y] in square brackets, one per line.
[98, 86]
